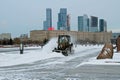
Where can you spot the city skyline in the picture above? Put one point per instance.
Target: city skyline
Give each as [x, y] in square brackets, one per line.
[20, 17]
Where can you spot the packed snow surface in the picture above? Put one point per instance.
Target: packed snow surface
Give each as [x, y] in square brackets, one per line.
[15, 58]
[30, 56]
[114, 61]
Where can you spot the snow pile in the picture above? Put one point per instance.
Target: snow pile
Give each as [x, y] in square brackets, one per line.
[114, 61]
[29, 56]
[50, 46]
[84, 48]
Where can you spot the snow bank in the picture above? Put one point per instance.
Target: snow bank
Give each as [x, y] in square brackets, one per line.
[94, 61]
[84, 48]
[30, 55]
[50, 46]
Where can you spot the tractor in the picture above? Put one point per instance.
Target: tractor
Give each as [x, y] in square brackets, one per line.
[64, 45]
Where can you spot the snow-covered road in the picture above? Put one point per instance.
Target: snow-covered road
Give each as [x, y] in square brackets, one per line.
[43, 64]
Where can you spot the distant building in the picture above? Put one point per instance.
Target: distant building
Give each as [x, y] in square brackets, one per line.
[83, 23]
[99, 37]
[114, 37]
[80, 23]
[105, 23]
[93, 24]
[68, 22]
[5, 36]
[48, 23]
[24, 37]
[62, 19]
[45, 25]
[102, 25]
[88, 24]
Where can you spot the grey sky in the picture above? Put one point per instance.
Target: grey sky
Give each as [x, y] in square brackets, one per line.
[21, 16]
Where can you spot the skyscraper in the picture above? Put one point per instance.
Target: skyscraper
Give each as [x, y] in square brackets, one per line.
[102, 25]
[80, 23]
[62, 19]
[68, 22]
[105, 23]
[45, 25]
[48, 23]
[93, 24]
[83, 23]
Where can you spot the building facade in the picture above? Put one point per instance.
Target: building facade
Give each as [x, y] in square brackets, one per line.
[102, 25]
[48, 23]
[105, 23]
[100, 37]
[5, 36]
[80, 23]
[93, 24]
[68, 22]
[83, 23]
[62, 19]
[114, 37]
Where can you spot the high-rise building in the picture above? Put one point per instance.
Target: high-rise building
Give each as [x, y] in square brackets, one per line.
[88, 24]
[80, 23]
[45, 25]
[62, 19]
[48, 23]
[93, 24]
[83, 23]
[105, 23]
[102, 25]
[68, 22]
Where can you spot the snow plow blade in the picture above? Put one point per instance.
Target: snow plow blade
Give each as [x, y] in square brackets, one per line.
[61, 51]
[107, 52]
[58, 51]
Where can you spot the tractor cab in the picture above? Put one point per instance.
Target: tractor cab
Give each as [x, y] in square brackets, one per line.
[64, 45]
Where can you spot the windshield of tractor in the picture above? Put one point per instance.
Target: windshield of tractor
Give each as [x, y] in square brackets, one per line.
[63, 39]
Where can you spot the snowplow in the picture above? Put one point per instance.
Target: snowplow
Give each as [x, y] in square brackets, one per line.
[64, 45]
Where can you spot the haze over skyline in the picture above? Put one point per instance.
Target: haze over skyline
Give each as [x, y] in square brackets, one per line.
[21, 16]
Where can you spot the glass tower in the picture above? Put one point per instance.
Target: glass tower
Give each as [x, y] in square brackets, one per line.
[80, 23]
[93, 24]
[101, 25]
[83, 23]
[48, 22]
[62, 19]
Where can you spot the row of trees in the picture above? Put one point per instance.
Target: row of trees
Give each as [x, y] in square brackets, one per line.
[82, 42]
[17, 41]
[6, 42]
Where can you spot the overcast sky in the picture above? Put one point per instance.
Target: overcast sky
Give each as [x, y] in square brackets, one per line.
[21, 16]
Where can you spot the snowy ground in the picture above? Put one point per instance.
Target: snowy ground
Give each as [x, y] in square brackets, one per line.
[14, 58]
[114, 61]
[43, 64]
